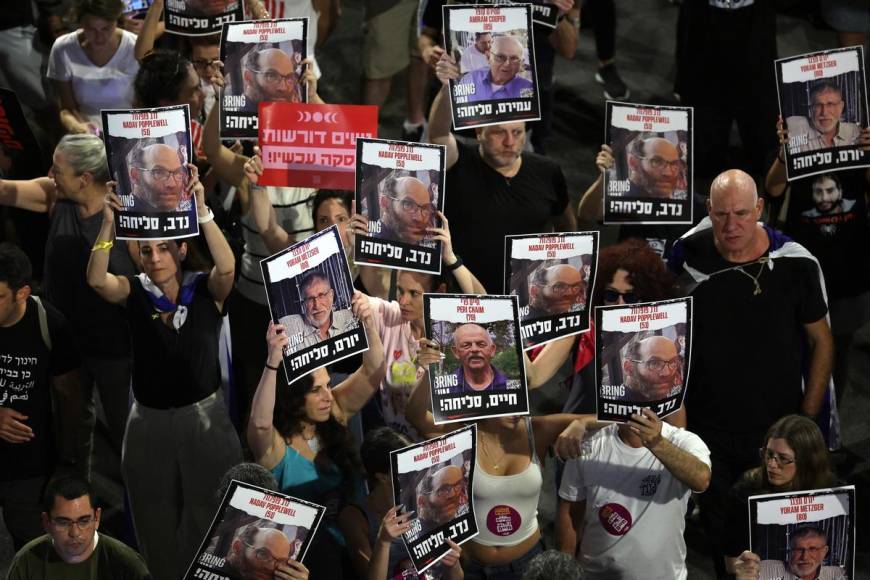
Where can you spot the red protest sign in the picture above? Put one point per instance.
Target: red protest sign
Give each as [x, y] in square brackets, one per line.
[307, 145]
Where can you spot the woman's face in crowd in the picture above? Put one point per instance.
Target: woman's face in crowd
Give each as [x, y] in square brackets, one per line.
[161, 259]
[409, 293]
[332, 212]
[779, 461]
[98, 32]
[318, 400]
[620, 285]
[191, 93]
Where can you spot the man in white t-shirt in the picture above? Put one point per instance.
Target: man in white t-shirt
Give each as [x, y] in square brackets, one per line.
[629, 488]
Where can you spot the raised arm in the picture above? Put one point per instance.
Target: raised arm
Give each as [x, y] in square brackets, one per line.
[222, 274]
[33, 195]
[111, 288]
[152, 28]
[591, 206]
[228, 166]
[417, 411]
[821, 363]
[265, 442]
[440, 117]
[548, 362]
[468, 282]
[683, 465]
[257, 10]
[274, 235]
[565, 431]
[775, 182]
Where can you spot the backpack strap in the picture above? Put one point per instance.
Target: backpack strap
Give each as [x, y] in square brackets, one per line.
[43, 321]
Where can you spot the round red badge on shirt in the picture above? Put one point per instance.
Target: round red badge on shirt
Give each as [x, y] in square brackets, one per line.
[615, 519]
[503, 520]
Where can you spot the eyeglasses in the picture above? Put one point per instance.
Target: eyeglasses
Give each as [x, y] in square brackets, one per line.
[412, 207]
[163, 174]
[611, 295]
[202, 64]
[657, 364]
[562, 288]
[265, 556]
[449, 489]
[502, 58]
[812, 551]
[273, 78]
[67, 524]
[767, 456]
[658, 163]
[310, 301]
[819, 107]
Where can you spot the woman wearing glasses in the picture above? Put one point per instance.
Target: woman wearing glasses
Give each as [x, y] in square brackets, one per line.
[794, 457]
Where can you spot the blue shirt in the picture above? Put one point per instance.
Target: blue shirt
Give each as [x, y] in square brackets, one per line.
[499, 382]
[516, 88]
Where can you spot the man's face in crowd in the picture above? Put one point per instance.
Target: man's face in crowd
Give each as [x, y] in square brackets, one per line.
[483, 43]
[826, 108]
[501, 145]
[258, 560]
[209, 7]
[564, 288]
[734, 212]
[441, 504]
[654, 374]
[203, 57]
[275, 79]
[318, 298]
[505, 59]
[473, 346]
[162, 178]
[827, 195]
[659, 170]
[98, 32]
[409, 210]
[806, 555]
[71, 525]
[13, 305]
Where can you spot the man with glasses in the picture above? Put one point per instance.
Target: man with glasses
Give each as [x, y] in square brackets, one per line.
[269, 74]
[319, 321]
[501, 80]
[654, 168]
[159, 179]
[440, 496]
[474, 348]
[257, 553]
[556, 290]
[72, 547]
[824, 128]
[807, 549]
[406, 210]
[652, 369]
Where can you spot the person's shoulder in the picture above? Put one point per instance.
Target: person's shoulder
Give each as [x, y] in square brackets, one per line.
[128, 39]
[33, 552]
[685, 439]
[65, 41]
[118, 551]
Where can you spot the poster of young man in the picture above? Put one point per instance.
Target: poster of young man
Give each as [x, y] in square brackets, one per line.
[262, 63]
[309, 288]
[823, 100]
[200, 17]
[483, 372]
[502, 87]
[20, 154]
[310, 145]
[434, 479]
[642, 357]
[805, 534]
[651, 178]
[553, 275]
[400, 190]
[148, 152]
[254, 533]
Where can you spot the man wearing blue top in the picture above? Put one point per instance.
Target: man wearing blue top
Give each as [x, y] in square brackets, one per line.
[474, 348]
[500, 80]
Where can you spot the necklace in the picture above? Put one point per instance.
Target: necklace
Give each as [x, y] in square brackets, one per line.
[755, 278]
[495, 464]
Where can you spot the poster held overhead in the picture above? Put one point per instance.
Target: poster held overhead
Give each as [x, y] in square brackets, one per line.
[200, 17]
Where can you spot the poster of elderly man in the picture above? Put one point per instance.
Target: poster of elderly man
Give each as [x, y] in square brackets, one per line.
[262, 63]
[504, 89]
[553, 276]
[642, 357]
[482, 373]
[256, 534]
[399, 191]
[309, 289]
[434, 479]
[200, 17]
[805, 535]
[651, 178]
[823, 100]
[149, 158]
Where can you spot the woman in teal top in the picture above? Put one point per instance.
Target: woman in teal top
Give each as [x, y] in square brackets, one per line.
[300, 432]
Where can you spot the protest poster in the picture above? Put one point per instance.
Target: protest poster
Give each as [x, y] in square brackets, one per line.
[651, 178]
[399, 190]
[510, 65]
[307, 145]
[642, 357]
[544, 14]
[553, 276]
[434, 478]
[804, 534]
[20, 154]
[200, 17]
[148, 151]
[253, 530]
[262, 63]
[309, 289]
[823, 100]
[483, 372]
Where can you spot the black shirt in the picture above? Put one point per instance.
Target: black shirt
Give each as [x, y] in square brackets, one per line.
[174, 368]
[26, 368]
[661, 237]
[484, 206]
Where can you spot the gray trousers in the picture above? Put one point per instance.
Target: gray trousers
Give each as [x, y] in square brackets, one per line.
[172, 462]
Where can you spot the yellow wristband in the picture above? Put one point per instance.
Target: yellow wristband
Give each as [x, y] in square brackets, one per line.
[107, 245]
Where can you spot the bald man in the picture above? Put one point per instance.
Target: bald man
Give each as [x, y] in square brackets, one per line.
[501, 79]
[654, 168]
[269, 74]
[255, 552]
[439, 495]
[159, 179]
[406, 210]
[556, 290]
[758, 300]
[653, 369]
[474, 348]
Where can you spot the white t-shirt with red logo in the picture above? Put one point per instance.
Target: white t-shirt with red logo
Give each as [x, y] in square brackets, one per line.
[635, 509]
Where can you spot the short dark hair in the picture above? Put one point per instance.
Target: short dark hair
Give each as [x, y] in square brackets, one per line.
[323, 195]
[110, 10]
[832, 176]
[477, 35]
[553, 565]
[251, 473]
[376, 447]
[69, 487]
[15, 268]
[161, 75]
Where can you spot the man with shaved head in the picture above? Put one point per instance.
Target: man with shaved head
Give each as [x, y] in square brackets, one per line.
[556, 290]
[439, 495]
[652, 369]
[501, 79]
[474, 348]
[406, 210]
[654, 167]
[269, 74]
[758, 303]
[159, 179]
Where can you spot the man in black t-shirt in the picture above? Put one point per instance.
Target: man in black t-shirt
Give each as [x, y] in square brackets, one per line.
[37, 352]
[495, 189]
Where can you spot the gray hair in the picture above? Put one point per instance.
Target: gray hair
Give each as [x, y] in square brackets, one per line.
[553, 565]
[86, 153]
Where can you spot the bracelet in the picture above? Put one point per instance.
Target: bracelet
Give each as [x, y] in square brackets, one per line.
[104, 245]
[270, 367]
[454, 266]
[206, 218]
